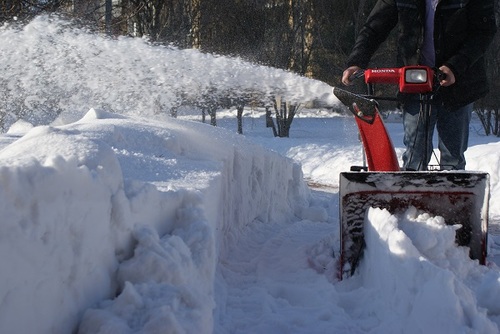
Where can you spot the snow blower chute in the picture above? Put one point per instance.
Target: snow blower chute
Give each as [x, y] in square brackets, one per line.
[460, 197]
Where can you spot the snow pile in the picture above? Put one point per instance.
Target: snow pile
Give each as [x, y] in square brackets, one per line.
[486, 158]
[420, 252]
[73, 213]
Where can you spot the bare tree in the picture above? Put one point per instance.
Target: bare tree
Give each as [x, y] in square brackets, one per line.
[285, 113]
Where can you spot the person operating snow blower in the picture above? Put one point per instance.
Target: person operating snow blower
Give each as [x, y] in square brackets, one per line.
[451, 36]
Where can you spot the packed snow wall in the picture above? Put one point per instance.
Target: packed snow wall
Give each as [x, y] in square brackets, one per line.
[75, 208]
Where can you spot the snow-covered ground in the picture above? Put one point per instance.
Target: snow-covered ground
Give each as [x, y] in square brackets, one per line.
[130, 222]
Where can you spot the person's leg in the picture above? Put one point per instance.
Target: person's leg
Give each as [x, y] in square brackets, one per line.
[453, 131]
[414, 136]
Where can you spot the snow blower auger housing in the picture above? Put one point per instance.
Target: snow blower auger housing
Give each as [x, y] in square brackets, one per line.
[460, 197]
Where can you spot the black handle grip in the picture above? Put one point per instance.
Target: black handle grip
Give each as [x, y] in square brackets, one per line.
[356, 75]
[441, 75]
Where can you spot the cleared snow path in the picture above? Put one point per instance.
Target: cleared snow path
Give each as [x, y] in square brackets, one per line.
[283, 271]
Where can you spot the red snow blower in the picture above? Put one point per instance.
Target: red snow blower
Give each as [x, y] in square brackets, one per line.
[460, 197]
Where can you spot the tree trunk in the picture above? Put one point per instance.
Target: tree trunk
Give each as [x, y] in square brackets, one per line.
[497, 122]
[108, 16]
[239, 116]
[213, 116]
[285, 113]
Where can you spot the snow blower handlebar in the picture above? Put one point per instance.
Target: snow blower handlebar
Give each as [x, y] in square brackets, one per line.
[410, 79]
[416, 80]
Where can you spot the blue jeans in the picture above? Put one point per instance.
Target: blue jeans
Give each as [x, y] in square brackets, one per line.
[453, 135]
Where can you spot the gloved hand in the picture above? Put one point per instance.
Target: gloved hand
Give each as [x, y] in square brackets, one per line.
[348, 73]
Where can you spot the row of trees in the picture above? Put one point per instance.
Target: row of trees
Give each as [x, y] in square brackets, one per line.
[309, 37]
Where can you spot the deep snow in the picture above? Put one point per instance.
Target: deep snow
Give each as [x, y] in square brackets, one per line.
[130, 222]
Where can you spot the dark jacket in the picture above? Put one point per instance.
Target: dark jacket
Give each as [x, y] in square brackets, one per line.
[463, 31]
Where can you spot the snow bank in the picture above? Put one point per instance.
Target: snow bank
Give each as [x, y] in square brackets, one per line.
[486, 158]
[408, 261]
[73, 219]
